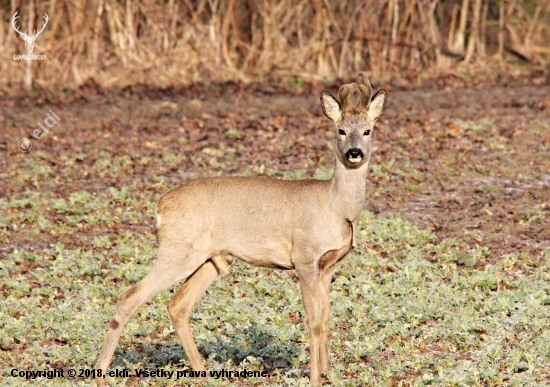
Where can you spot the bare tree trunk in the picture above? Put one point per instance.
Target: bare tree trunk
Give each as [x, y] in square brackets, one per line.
[527, 41]
[458, 45]
[500, 50]
[473, 39]
[483, 34]
[451, 38]
[97, 26]
[434, 31]
[30, 26]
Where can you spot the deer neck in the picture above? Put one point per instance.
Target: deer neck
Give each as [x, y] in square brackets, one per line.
[347, 190]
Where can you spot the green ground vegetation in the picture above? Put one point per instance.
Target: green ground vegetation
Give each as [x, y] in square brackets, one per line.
[407, 309]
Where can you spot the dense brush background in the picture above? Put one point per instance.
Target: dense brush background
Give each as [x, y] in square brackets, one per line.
[162, 43]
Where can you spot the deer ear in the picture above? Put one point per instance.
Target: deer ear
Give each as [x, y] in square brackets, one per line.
[377, 105]
[331, 106]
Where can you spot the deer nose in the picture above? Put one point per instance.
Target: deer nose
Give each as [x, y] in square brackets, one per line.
[354, 153]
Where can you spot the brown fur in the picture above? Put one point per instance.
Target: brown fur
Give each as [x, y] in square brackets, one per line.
[306, 225]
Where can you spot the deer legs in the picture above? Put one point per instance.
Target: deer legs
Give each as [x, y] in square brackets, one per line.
[181, 305]
[323, 343]
[315, 288]
[154, 283]
[164, 274]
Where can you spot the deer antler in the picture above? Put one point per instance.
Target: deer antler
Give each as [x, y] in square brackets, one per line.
[364, 88]
[344, 95]
[44, 26]
[15, 16]
[366, 91]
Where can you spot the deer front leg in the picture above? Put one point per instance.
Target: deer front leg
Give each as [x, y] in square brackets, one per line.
[316, 306]
[323, 344]
[328, 264]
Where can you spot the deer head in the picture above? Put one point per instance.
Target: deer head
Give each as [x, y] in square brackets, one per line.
[354, 122]
[29, 40]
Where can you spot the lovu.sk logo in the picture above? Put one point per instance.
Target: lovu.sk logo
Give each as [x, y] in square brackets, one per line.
[29, 40]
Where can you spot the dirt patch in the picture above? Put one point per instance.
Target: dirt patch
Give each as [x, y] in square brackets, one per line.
[471, 164]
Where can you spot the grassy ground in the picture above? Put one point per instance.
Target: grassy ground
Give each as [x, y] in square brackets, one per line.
[419, 303]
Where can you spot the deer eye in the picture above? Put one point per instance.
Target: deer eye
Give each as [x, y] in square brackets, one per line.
[341, 132]
[367, 132]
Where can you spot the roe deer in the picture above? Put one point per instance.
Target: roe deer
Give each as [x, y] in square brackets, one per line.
[306, 225]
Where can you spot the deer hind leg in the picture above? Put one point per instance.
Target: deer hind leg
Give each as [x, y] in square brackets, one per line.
[182, 303]
[169, 269]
